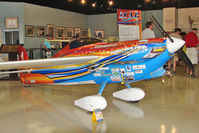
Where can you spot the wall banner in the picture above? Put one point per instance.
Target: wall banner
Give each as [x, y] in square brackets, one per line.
[128, 16]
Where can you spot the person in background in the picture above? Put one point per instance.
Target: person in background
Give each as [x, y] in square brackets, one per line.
[174, 60]
[191, 41]
[183, 34]
[47, 47]
[148, 32]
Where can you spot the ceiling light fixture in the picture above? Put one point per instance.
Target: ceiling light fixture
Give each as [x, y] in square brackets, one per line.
[110, 2]
[83, 2]
[93, 4]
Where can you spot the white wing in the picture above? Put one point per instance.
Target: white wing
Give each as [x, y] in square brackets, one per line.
[28, 64]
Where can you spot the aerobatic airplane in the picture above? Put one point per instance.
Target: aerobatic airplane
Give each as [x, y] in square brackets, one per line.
[101, 63]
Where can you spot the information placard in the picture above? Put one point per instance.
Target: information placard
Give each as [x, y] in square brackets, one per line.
[129, 22]
[129, 32]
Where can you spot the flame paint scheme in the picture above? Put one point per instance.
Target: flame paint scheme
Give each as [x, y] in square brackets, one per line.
[128, 61]
[121, 62]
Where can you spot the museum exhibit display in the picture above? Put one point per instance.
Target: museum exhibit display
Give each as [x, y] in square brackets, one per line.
[30, 30]
[107, 66]
[41, 31]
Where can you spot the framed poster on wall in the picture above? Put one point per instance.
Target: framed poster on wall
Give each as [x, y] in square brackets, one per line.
[51, 30]
[84, 33]
[41, 31]
[11, 23]
[30, 31]
[69, 32]
[77, 32]
[99, 34]
[60, 32]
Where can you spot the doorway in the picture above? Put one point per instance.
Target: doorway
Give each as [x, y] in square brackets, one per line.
[11, 37]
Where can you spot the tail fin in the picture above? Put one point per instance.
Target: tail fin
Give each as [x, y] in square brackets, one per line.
[22, 53]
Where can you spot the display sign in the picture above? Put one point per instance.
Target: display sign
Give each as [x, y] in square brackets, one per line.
[129, 32]
[129, 22]
[128, 16]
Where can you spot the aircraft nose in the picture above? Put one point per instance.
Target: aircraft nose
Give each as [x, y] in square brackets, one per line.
[175, 45]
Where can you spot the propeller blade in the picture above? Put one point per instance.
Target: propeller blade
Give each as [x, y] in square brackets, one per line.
[163, 31]
[181, 54]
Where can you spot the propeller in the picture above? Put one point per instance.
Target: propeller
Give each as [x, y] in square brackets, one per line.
[181, 54]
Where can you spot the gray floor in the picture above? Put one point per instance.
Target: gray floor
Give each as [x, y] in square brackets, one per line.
[172, 107]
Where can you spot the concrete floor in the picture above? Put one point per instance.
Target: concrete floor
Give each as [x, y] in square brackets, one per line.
[172, 107]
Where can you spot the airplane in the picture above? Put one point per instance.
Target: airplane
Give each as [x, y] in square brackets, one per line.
[101, 63]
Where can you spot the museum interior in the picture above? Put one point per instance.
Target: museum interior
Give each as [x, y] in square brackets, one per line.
[99, 66]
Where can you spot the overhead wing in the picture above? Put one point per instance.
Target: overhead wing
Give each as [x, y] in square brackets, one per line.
[28, 64]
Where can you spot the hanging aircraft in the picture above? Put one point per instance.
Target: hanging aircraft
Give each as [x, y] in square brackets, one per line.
[101, 63]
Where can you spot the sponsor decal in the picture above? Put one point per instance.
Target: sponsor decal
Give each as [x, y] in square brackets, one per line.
[32, 81]
[115, 78]
[138, 71]
[128, 68]
[140, 47]
[128, 78]
[139, 67]
[104, 68]
[130, 73]
[122, 70]
[96, 74]
[116, 73]
[115, 69]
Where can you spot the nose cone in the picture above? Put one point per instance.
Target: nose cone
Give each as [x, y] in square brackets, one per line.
[175, 45]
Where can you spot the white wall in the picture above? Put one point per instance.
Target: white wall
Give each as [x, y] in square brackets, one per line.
[41, 16]
[12, 9]
[183, 18]
[106, 22]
